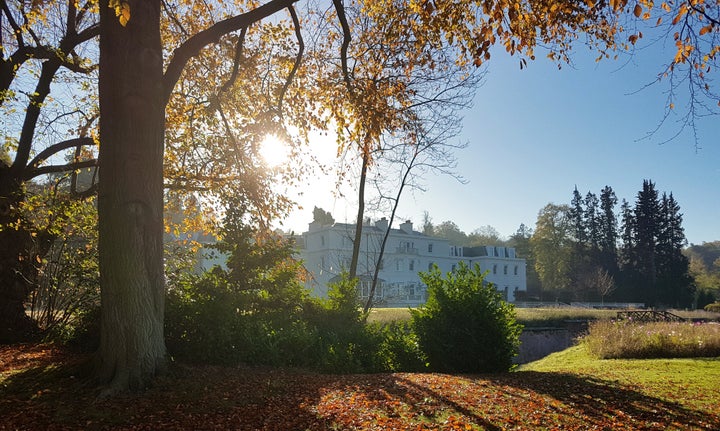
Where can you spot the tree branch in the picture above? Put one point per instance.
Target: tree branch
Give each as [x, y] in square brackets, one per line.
[347, 37]
[236, 62]
[192, 47]
[60, 146]
[298, 58]
[52, 169]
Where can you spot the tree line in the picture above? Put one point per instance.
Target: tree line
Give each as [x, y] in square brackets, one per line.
[589, 250]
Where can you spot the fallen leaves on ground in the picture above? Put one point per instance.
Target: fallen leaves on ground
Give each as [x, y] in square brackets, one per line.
[40, 389]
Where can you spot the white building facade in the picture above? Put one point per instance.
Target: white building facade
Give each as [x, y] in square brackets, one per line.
[326, 251]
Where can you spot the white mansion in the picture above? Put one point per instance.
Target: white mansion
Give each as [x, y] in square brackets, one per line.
[326, 251]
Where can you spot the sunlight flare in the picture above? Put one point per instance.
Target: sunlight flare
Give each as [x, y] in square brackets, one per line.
[274, 151]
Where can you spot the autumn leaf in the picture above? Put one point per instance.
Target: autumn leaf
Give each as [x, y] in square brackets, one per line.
[122, 11]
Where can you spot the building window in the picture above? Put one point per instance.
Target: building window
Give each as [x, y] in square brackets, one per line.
[412, 265]
[516, 269]
[494, 269]
[322, 262]
[397, 265]
[505, 270]
[430, 266]
[322, 240]
[430, 248]
[453, 267]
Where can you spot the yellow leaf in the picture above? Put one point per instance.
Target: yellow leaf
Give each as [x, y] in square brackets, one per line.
[122, 11]
[706, 29]
[637, 11]
[672, 106]
[124, 14]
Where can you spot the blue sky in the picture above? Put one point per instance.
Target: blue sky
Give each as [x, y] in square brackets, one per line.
[535, 134]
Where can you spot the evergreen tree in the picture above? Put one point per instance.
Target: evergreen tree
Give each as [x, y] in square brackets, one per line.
[647, 231]
[592, 225]
[627, 259]
[608, 231]
[675, 286]
[520, 240]
[607, 222]
[577, 217]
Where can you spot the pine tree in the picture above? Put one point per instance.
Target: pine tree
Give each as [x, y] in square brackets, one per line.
[647, 231]
[675, 285]
[592, 224]
[577, 217]
[608, 231]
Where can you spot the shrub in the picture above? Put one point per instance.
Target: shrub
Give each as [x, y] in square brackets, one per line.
[202, 322]
[399, 349]
[466, 326]
[343, 343]
[627, 340]
[714, 307]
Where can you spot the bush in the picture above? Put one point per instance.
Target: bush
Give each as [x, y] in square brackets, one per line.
[343, 342]
[628, 340]
[208, 321]
[466, 326]
[399, 349]
[714, 307]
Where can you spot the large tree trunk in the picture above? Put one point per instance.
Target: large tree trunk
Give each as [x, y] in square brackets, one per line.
[18, 269]
[130, 200]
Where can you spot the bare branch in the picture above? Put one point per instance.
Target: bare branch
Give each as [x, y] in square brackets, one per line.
[347, 38]
[13, 24]
[298, 57]
[236, 61]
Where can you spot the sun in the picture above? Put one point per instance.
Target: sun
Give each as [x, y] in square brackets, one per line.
[274, 151]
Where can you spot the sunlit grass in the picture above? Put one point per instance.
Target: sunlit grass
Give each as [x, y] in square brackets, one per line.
[385, 315]
[539, 317]
[690, 382]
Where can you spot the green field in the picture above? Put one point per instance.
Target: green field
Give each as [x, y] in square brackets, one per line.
[693, 383]
[537, 317]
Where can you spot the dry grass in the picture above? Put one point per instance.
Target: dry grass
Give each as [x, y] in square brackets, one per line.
[621, 339]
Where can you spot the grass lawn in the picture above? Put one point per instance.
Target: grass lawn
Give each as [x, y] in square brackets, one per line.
[41, 388]
[692, 383]
[540, 317]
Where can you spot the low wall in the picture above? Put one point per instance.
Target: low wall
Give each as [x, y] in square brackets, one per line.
[536, 343]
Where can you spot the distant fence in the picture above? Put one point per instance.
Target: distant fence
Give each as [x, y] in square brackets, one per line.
[649, 316]
[541, 304]
[609, 305]
[589, 305]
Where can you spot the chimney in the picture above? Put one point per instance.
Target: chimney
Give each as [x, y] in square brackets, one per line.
[382, 224]
[407, 227]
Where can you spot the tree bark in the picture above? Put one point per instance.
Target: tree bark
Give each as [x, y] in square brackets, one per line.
[17, 270]
[130, 198]
[360, 216]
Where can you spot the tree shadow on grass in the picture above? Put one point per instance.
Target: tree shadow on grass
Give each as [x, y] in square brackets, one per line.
[533, 400]
[49, 395]
[609, 401]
